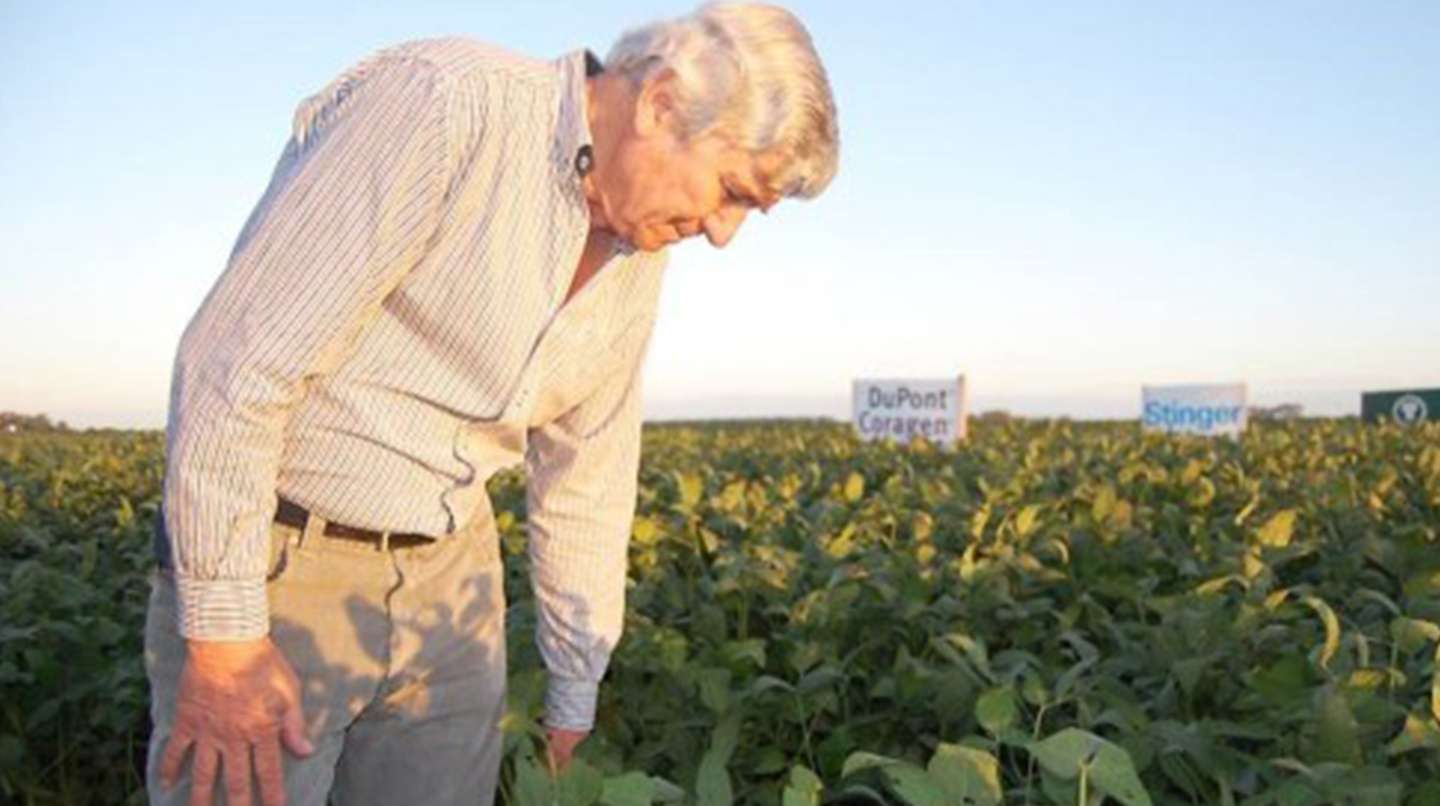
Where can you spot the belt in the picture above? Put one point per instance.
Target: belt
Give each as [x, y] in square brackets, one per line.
[292, 514]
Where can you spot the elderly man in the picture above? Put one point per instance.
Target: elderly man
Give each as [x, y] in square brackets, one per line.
[454, 268]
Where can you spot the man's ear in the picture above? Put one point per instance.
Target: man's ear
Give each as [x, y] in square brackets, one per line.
[655, 106]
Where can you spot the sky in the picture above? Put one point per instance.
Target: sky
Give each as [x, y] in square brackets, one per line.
[1062, 201]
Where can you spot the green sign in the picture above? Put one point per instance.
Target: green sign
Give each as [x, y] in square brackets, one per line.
[1405, 406]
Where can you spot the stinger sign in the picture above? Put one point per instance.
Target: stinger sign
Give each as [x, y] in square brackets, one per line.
[1207, 410]
[905, 409]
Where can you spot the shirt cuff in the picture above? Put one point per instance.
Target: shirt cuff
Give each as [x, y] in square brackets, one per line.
[222, 609]
[570, 703]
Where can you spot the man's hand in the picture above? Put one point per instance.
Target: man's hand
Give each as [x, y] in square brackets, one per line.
[560, 747]
[236, 697]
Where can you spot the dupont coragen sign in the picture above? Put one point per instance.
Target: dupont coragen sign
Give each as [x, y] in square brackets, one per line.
[1208, 410]
[905, 409]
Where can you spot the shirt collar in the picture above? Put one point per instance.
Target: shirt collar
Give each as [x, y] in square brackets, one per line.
[573, 153]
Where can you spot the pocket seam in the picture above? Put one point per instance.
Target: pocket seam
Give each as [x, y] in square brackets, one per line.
[279, 565]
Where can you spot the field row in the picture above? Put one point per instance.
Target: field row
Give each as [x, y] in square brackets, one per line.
[1053, 613]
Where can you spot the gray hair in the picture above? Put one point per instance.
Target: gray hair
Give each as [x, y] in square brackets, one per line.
[747, 71]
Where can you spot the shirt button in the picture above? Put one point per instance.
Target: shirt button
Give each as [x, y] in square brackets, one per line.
[584, 159]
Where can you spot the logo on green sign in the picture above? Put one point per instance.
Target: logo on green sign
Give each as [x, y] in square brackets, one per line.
[1409, 410]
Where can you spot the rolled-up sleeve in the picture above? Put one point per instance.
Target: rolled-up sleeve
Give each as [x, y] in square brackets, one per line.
[583, 470]
[351, 208]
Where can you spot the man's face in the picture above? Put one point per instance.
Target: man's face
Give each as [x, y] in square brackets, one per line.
[659, 187]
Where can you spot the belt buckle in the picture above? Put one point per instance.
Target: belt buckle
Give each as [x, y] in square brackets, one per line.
[384, 542]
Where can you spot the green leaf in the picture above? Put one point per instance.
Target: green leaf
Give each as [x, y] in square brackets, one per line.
[1060, 791]
[1218, 584]
[691, 488]
[1435, 686]
[1032, 688]
[1277, 531]
[1203, 493]
[854, 487]
[1286, 682]
[1103, 504]
[915, 786]
[1337, 734]
[580, 784]
[667, 792]
[978, 521]
[630, 789]
[803, 789]
[860, 793]
[842, 544]
[1426, 793]
[997, 710]
[908, 781]
[1188, 672]
[725, 736]
[1246, 510]
[751, 651]
[1063, 753]
[766, 682]
[802, 777]
[644, 531]
[1296, 791]
[861, 760]
[966, 774]
[712, 784]
[1371, 786]
[821, 677]
[714, 685]
[12, 751]
[975, 652]
[1412, 635]
[768, 760]
[533, 785]
[1419, 732]
[1332, 629]
[89, 555]
[1026, 521]
[1110, 768]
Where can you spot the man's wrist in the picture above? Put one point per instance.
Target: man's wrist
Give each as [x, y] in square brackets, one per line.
[222, 609]
[570, 703]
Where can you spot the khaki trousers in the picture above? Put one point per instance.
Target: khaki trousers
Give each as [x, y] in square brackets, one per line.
[401, 656]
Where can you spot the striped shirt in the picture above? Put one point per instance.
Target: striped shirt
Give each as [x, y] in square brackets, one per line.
[391, 329]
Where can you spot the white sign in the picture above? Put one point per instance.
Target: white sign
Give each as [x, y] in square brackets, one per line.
[1206, 410]
[903, 410]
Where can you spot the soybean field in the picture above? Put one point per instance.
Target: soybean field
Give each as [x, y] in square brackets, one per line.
[1051, 613]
